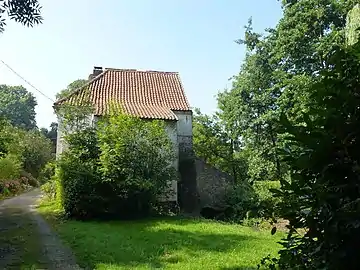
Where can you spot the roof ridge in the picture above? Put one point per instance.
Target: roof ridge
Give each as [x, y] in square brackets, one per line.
[120, 69]
[159, 71]
[137, 70]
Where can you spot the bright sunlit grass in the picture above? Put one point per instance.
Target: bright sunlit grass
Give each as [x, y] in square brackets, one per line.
[163, 243]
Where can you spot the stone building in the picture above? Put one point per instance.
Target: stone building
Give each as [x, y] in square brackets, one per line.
[145, 94]
[154, 95]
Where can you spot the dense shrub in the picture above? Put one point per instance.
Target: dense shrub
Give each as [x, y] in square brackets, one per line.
[47, 172]
[136, 157]
[10, 167]
[268, 204]
[35, 152]
[49, 189]
[31, 147]
[31, 180]
[15, 186]
[78, 174]
[243, 201]
[12, 187]
[119, 170]
[247, 203]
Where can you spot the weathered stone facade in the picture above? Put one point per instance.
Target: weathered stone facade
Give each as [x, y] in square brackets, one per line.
[187, 189]
[211, 184]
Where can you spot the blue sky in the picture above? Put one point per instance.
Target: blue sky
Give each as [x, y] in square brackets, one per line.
[194, 38]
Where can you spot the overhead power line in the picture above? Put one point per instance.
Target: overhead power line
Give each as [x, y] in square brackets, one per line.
[21, 77]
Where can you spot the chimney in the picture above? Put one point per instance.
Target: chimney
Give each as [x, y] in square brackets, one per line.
[96, 71]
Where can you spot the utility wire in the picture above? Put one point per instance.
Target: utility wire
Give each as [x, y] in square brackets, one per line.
[17, 74]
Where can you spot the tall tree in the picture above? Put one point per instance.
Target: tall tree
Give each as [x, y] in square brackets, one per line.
[318, 77]
[18, 106]
[50, 133]
[26, 12]
[250, 108]
[71, 88]
[215, 144]
[304, 72]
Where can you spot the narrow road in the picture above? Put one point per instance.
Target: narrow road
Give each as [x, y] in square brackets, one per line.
[26, 240]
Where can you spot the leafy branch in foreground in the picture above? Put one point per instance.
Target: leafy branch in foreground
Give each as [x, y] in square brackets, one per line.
[26, 12]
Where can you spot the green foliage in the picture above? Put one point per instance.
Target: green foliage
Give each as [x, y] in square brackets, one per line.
[31, 148]
[294, 109]
[26, 12]
[35, 152]
[252, 203]
[49, 189]
[51, 134]
[78, 175]
[119, 170]
[323, 196]
[47, 172]
[18, 106]
[10, 167]
[250, 109]
[268, 204]
[304, 72]
[242, 200]
[216, 144]
[4, 136]
[136, 155]
[352, 26]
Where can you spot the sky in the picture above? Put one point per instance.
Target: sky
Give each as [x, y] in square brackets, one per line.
[194, 38]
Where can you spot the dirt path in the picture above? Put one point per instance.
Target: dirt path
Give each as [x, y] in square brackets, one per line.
[26, 240]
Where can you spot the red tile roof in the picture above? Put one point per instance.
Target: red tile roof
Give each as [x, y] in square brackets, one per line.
[147, 94]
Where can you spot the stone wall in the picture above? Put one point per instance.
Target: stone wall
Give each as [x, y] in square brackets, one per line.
[172, 193]
[187, 189]
[211, 184]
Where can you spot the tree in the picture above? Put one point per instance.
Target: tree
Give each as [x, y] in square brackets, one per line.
[26, 12]
[18, 106]
[317, 77]
[71, 88]
[250, 108]
[52, 133]
[216, 145]
[35, 151]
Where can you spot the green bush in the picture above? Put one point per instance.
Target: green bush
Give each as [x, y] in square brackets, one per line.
[136, 157]
[47, 172]
[36, 152]
[10, 167]
[243, 201]
[30, 180]
[268, 204]
[78, 175]
[251, 203]
[119, 170]
[32, 148]
[12, 187]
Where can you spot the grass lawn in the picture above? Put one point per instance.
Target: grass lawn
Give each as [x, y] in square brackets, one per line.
[162, 243]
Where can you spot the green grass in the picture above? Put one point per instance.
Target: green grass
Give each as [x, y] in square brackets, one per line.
[163, 244]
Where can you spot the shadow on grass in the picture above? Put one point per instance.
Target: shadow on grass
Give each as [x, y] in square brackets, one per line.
[149, 243]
